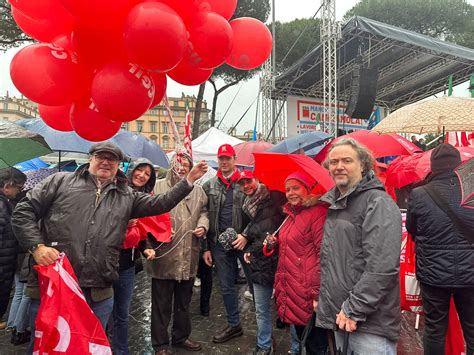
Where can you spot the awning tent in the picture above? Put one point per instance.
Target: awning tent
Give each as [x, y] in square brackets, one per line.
[206, 145]
[411, 66]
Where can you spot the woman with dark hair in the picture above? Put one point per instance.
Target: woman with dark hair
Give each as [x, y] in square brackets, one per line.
[141, 177]
[297, 277]
[11, 183]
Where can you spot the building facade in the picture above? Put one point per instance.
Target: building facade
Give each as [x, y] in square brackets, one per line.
[13, 109]
[155, 124]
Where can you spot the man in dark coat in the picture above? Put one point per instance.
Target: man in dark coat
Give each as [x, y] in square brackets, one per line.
[85, 215]
[360, 255]
[11, 183]
[444, 257]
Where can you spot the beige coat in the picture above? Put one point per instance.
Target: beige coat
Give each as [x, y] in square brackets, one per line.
[181, 263]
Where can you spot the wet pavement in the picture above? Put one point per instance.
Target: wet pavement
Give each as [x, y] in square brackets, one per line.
[205, 327]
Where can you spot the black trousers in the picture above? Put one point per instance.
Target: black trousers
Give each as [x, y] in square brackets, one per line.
[436, 302]
[5, 289]
[205, 274]
[170, 296]
[317, 340]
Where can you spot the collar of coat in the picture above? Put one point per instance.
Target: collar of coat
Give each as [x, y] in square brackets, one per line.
[291, 210]
[337, 201]
[120, 179]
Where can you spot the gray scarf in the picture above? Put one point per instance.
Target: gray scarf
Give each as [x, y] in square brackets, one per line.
[251, 203]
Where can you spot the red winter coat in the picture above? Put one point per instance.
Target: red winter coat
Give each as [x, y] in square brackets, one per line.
[297, 276]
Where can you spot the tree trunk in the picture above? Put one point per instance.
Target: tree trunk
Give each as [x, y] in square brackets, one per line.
[197, 110]
[216, 94]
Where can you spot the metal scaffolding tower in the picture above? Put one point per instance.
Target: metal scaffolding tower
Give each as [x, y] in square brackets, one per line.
[266, 86]
[329, 34]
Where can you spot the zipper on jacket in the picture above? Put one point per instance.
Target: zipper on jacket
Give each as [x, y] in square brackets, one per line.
[97, 196]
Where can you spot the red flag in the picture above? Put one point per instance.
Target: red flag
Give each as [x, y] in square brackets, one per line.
[454, 336]
[460, 139]
[159, 226]
[187, 134]
[65, 323]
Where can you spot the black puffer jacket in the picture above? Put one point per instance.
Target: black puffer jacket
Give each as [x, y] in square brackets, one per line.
[444, 258]
[8, 243]
[85, 222]
[268, 218]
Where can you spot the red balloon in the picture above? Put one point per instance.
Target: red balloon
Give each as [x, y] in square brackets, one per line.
[90, 124]
[122, 92]
[96, 48]
[188, 74]
[252, 43]
[155, 36]
[44, 29]
[56, 117]
[37, 9]
[160, 82]
[47, 75]
[225, 8]
[211, 38]
[186, 9]
[98, 15]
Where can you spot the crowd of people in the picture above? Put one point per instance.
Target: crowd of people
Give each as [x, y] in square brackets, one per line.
[331, 261]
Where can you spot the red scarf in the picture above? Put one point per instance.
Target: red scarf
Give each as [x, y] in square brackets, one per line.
[228, 182]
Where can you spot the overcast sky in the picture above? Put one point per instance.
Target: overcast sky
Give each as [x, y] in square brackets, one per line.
[285, 11]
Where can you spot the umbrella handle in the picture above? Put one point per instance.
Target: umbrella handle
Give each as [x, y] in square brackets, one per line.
[267, 252]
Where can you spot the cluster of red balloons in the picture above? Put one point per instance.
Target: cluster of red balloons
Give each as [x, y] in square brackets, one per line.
[101, 63]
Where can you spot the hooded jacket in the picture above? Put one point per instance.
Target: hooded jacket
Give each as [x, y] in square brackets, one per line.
[444, 258]
[179, 259]
[128, 256]
[297, 279]
[360, 260]
[85, 222]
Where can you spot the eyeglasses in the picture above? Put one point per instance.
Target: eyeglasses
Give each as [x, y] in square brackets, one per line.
[101, 158]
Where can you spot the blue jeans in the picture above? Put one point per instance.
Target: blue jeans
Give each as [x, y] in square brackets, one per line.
[226, 263]
[123, 290]
[365, 344]
[102, 311]
[18, 317]
[295, 342]
[263, 313]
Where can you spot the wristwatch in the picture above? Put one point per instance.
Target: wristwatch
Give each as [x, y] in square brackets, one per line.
[32, 249]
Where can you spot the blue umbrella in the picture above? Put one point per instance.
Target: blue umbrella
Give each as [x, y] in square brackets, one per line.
[305, 141]
[32, 164]
[132, 144]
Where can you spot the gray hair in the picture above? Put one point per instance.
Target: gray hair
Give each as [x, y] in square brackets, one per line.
[365, 156]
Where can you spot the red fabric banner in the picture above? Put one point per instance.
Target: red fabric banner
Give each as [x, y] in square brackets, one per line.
[65, 323]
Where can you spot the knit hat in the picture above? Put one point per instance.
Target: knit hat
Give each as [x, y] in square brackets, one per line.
[302, 177]
[444, 158]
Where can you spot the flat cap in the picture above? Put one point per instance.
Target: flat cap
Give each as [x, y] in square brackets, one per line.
[106, 147]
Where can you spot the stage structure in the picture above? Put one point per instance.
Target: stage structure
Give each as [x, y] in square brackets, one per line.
[410, 66]
[274, 107]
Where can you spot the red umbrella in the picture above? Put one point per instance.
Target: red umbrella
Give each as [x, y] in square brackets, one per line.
[381, 145]
[412, 169]
[245, 150]
[273, 168]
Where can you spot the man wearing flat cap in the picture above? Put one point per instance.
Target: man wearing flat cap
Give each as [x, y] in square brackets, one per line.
[85, 215]
[441, 229]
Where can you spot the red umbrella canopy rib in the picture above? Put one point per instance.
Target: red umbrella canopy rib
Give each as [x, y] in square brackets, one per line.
[244, 151]
[408, 170]
[381, 145]
[273, 168]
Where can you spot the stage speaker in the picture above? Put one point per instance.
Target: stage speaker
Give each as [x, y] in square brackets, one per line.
[363, 93]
